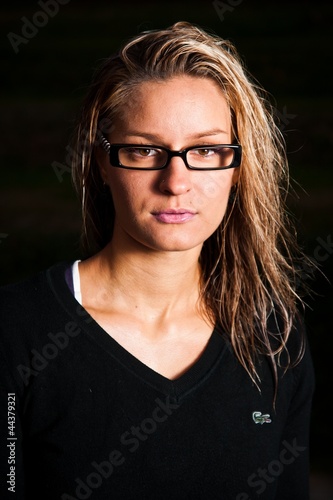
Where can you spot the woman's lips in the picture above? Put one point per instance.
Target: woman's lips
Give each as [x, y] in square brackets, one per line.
[174, 216]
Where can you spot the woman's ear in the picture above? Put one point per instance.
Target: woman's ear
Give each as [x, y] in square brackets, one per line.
[102, 161]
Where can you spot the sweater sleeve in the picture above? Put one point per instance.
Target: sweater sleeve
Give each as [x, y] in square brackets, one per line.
[11, 459]
[292, 465]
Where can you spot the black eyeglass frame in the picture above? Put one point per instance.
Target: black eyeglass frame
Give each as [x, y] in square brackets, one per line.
[113, 150]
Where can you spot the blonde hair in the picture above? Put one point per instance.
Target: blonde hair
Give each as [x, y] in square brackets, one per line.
[248, 275]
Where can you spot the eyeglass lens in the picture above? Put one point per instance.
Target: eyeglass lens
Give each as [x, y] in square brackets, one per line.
[147, 157]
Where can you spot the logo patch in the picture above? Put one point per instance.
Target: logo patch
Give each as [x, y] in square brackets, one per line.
[259, 418]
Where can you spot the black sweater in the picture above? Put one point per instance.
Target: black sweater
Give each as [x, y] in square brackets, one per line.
[83, 418]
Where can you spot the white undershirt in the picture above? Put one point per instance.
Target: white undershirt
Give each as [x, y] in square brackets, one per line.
[76, 281]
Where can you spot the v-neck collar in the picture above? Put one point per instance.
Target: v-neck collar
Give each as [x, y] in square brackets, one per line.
[177, 388]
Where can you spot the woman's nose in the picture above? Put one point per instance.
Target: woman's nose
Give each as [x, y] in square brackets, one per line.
[176, 179]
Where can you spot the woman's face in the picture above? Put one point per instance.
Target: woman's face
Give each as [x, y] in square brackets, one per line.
[174, 209]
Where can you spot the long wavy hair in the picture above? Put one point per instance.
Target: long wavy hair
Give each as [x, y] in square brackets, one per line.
[248, 271]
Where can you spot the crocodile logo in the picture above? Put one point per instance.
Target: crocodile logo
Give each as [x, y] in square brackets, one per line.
[259, 418]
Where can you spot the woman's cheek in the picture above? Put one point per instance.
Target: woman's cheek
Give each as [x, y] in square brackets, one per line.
[213, 187]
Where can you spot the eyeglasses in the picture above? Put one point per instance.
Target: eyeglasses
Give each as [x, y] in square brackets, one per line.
[150, 157]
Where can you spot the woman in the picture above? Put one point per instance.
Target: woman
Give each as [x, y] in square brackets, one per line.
[170, 362]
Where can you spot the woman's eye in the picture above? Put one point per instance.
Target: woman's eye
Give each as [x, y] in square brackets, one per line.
[143, 152]
[205, 152]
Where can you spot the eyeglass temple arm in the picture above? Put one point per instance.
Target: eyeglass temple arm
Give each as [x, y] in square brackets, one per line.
[105, 143]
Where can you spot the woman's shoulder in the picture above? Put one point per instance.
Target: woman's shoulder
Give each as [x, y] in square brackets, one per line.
[287, 332]
[30, 297]
[31, 285]
[24, 286]
[292, 351]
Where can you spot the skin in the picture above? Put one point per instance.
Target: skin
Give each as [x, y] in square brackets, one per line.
[143, 287]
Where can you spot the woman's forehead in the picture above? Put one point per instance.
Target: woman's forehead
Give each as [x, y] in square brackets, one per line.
[186, 105]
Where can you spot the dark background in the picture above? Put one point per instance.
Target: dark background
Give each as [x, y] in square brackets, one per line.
[287, 46]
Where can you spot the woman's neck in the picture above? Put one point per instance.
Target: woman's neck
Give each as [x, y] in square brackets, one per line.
[150, 280]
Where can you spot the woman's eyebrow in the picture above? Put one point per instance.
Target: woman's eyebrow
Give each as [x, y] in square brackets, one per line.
[153, 137]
